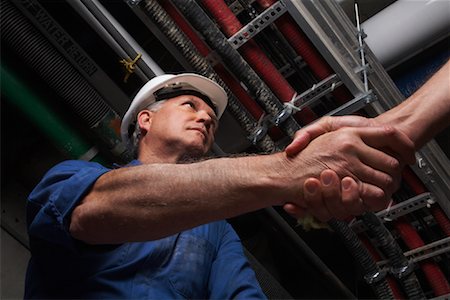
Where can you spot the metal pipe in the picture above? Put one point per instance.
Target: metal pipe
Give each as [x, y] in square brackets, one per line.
[86, 14]
[123, 38]
[413, 25]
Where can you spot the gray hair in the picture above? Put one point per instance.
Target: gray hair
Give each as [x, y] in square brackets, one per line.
[137, 133]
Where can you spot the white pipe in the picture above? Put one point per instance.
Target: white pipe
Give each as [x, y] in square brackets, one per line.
[405, 28]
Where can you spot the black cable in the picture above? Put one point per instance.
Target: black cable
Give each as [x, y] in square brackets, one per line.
[234, 61]
[159, 16]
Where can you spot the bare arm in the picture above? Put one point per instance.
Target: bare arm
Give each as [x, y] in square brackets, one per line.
[426, 112]
[152, 201]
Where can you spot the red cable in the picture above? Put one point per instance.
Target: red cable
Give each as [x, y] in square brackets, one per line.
[376, 256]
[253, 108]
[433, 273]
[303, 46]
[256, 57]
[419, 188]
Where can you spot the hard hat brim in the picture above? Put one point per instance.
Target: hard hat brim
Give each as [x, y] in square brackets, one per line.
[145, 96]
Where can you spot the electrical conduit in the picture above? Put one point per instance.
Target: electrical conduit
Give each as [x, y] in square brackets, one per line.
[60, 75]
[401, 268]
[256, 57]
[433, 273]
[159, 16]
[304, 48]
[234, 61]
[252, 107]
[17, 93]
[372, 273]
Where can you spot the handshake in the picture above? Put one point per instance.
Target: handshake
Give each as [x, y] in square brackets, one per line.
[359, 161]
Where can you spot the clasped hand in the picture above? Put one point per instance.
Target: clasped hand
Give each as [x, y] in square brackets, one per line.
[354, 166]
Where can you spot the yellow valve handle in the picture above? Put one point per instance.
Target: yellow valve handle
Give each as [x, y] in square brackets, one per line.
[129, 66]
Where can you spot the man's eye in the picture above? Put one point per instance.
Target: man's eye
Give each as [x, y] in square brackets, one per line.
[191, 104]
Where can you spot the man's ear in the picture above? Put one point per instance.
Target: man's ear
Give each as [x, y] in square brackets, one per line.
[144, 120]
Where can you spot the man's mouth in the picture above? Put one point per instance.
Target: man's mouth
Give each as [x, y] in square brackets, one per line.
[203, 131]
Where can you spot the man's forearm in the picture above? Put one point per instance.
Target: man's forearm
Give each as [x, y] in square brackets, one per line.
[426, 112]
[152, 201]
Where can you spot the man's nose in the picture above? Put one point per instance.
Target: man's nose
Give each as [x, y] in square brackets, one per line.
[204, 117]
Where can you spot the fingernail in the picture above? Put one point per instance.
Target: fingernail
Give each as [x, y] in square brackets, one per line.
[311, 188]
[346, 184]
[327, 178]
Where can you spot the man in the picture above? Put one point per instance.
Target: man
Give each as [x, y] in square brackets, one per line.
[153, 229]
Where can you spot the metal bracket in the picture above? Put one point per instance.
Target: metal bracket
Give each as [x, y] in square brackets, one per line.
[424, 252]
[256, 25]
[133, 2]
[317, 91]
[287, 70]
[306, 98]
[354, 105]
[398, 210]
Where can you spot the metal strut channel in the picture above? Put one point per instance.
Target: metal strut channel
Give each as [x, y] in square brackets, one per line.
[257, 25]
[354, 105]
[424, 252]
[305, 99]
[398, 210]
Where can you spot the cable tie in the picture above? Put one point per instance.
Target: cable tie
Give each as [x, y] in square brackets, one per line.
[375, 277]
[387, 210]
[291, 104]
[333, 86]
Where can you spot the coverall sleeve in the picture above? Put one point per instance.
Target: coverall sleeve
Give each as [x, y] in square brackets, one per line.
[231, 276]
[52, 201]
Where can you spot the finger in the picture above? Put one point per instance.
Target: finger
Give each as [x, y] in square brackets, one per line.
[294, 210]
[395, 140]
[351, 199]
[331, 194]
[313, 199]
[375, 170]
[300, 141]
[374, 198]
[304, 136]
[375, 167]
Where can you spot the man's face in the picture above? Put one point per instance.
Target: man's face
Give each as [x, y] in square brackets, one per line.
[185, 122]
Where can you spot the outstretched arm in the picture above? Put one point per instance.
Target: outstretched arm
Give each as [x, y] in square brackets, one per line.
[426, 112]
[152, 201]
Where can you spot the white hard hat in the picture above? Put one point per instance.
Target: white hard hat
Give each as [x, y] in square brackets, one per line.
[186, 83]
